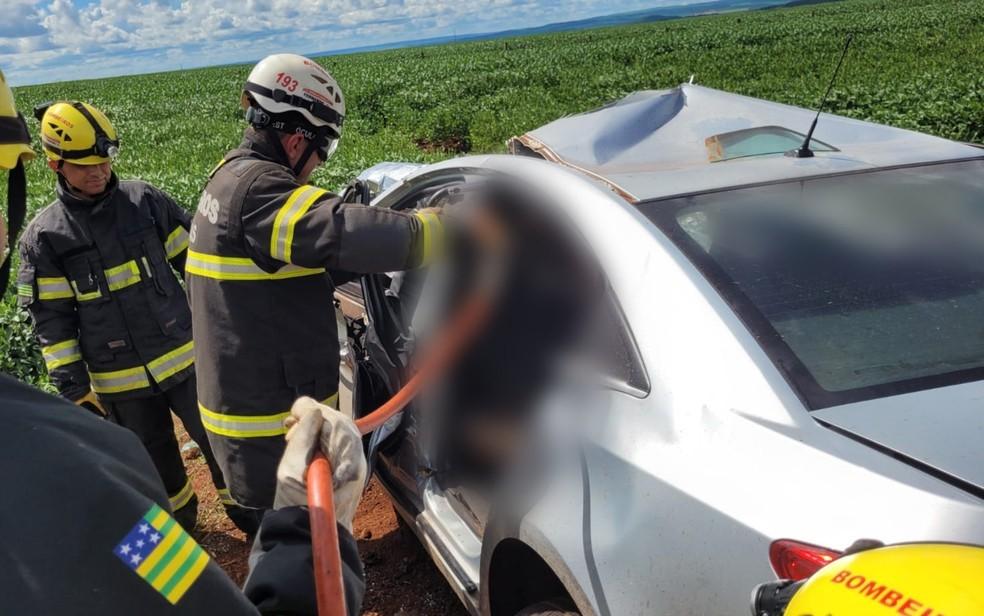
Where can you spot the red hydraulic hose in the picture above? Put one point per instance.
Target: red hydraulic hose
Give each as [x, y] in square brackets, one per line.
[324, 533]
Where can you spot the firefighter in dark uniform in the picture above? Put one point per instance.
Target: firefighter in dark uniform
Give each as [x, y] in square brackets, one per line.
[92, 531]
[265, 246]
[109, 313]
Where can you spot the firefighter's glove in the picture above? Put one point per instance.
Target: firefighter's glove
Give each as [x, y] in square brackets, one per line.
[313, 426]
[91, 403]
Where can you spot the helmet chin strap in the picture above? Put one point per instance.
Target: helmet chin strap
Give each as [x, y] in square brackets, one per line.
[303, 160]
[16, 211]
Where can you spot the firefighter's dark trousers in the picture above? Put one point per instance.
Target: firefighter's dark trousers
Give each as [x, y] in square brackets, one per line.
[150, 419]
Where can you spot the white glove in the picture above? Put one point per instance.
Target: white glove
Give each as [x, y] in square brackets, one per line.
[312, 426]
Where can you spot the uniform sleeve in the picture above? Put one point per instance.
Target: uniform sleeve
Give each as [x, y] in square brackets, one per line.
[309, 227]
[92, 532]
[44, 290]
[176, 222]
[281, 579]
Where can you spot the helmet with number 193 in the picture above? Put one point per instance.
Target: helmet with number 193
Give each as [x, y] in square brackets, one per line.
[288, 92]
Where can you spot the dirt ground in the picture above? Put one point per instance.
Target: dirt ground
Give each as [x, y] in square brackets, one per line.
[401, 580]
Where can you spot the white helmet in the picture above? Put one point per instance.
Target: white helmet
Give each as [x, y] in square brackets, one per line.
[287, 82]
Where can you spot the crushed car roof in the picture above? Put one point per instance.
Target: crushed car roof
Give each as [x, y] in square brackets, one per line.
[654, 144]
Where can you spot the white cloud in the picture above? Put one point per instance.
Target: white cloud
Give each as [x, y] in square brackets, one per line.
[189, 33]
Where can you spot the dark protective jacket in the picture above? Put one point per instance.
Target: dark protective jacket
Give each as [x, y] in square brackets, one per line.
[259, 278]
[92, 531]
[96, 277]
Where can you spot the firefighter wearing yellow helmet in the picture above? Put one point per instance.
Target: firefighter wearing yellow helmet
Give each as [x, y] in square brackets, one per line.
[97, 274]
[15, 150]
[78, 133]
[914, 579]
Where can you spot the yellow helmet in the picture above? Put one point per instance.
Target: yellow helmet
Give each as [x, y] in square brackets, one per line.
[919, 579]
[77, 132]
[15, 141]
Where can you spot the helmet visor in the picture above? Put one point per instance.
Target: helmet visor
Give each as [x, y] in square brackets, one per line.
[327, 149]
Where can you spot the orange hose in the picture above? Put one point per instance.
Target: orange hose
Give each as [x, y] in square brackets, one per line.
[324, 539]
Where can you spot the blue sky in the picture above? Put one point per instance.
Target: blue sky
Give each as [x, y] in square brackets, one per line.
[55, 40]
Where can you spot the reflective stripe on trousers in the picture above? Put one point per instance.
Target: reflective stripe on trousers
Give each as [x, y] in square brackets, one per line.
[240, 268]
[181, 499]
[225, 497]
[249, 426]
[61, 354]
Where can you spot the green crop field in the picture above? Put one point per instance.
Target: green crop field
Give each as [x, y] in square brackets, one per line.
[916, 64]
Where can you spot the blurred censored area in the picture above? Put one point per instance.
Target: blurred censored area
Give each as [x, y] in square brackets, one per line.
[860, 285]
[547, 298]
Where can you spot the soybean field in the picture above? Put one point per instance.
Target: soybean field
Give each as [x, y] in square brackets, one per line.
[915, 64]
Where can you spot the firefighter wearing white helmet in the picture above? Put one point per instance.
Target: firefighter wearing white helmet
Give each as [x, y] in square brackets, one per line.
[286, 84]
[267, 250]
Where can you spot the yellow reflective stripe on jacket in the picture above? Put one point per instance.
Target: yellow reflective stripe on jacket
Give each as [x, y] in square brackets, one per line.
[25, 290]
[61, 354]
[249, 426]
[119, 380]
[240, 268]
[299, 202]
[173, 362]
[54, 288]
[181, 499]
[122, 276]
[161, 369]
[176, 242]
[433, 236]
[85, 297]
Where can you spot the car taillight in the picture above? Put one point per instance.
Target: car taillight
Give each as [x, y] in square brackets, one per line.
[793, 560]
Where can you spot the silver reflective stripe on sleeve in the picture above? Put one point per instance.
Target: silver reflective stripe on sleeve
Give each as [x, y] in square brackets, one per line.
[171, 363]
[119, 380]
[299, 202]
[61, 354]
[176, 242]
[54, 288]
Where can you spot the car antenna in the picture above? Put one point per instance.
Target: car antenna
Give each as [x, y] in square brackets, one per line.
[804, 150]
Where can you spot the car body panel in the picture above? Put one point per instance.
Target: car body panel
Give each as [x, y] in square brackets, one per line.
[667, 503]
[920, 425]
[653, 144]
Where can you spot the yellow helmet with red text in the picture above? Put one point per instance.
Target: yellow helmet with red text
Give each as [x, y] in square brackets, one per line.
[914, 579]
[77, 133]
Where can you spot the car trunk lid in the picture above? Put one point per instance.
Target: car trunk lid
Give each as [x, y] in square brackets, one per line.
[939, 431]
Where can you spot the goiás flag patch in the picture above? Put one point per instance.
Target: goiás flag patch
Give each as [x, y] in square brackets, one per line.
[163, 554]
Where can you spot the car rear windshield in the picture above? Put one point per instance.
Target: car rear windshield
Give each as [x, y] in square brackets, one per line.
[857, 286]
